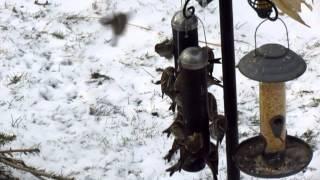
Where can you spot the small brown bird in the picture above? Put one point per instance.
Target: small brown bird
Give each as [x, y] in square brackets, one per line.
[178, 86]
[176, 128]
[167, 82]
[165, 48]
[174, 148]
[218, 128]
[213, 160]
[118, 24]
[213, 81]
[167, 85]
[193, 143]
[211, 59]
[212, 107]
[178, 166]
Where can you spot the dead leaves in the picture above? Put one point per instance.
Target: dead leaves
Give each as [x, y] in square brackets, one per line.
[292, 8]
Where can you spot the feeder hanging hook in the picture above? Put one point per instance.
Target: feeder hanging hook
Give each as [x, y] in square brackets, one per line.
[188, 12]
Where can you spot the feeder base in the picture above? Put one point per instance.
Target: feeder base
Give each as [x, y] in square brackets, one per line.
[249, 158]
[194, 165]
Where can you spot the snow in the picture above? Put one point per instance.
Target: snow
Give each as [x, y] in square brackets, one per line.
[50, 106]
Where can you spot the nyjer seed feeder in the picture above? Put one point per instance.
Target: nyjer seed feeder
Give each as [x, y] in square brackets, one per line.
[185, 33]
[272, 154]
[191, 86]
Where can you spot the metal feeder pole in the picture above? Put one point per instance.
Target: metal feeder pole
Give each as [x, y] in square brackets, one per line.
[229, 83]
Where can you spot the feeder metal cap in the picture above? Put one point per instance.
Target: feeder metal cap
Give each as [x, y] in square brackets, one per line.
[180, 23]
[272, 63]
[193, 58]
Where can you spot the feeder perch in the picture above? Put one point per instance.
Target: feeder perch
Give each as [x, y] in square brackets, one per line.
[185, 34]
[192, 93]
[273, 154]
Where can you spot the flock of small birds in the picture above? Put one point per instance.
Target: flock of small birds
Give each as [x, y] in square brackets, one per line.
[189, 145]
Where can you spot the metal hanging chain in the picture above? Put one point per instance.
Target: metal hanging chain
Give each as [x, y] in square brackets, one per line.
[188, 12]
[264, 9]
[255, 33]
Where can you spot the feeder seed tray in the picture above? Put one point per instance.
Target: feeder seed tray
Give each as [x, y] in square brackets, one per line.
[249, 158]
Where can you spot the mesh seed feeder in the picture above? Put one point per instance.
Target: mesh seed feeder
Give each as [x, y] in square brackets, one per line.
[273, 154]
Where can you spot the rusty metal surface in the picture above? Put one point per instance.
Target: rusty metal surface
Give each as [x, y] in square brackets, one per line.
[250, 159]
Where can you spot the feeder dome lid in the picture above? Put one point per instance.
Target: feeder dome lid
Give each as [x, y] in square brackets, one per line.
[193, 58]
[180, 23]
[272, 63]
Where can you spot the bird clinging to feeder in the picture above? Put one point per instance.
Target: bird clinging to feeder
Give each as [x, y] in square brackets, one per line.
[212, 107]
[211, 59]
[213, 160]
[177, 129]
[165, 48]
[218, 127]
[167, 82]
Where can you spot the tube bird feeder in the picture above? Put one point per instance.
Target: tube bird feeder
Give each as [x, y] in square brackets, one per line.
[185, 34]
[273, 154]
[191, 86]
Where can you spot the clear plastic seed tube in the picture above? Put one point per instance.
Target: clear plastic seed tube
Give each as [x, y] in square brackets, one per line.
[272, 116]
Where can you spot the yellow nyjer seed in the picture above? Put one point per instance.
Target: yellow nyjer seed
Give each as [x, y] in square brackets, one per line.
[272, 104]
[263, 5]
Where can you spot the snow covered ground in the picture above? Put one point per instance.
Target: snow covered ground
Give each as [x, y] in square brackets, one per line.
[110, 129]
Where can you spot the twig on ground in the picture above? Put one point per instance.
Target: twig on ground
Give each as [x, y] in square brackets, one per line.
[39, 173]
[31, 150]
